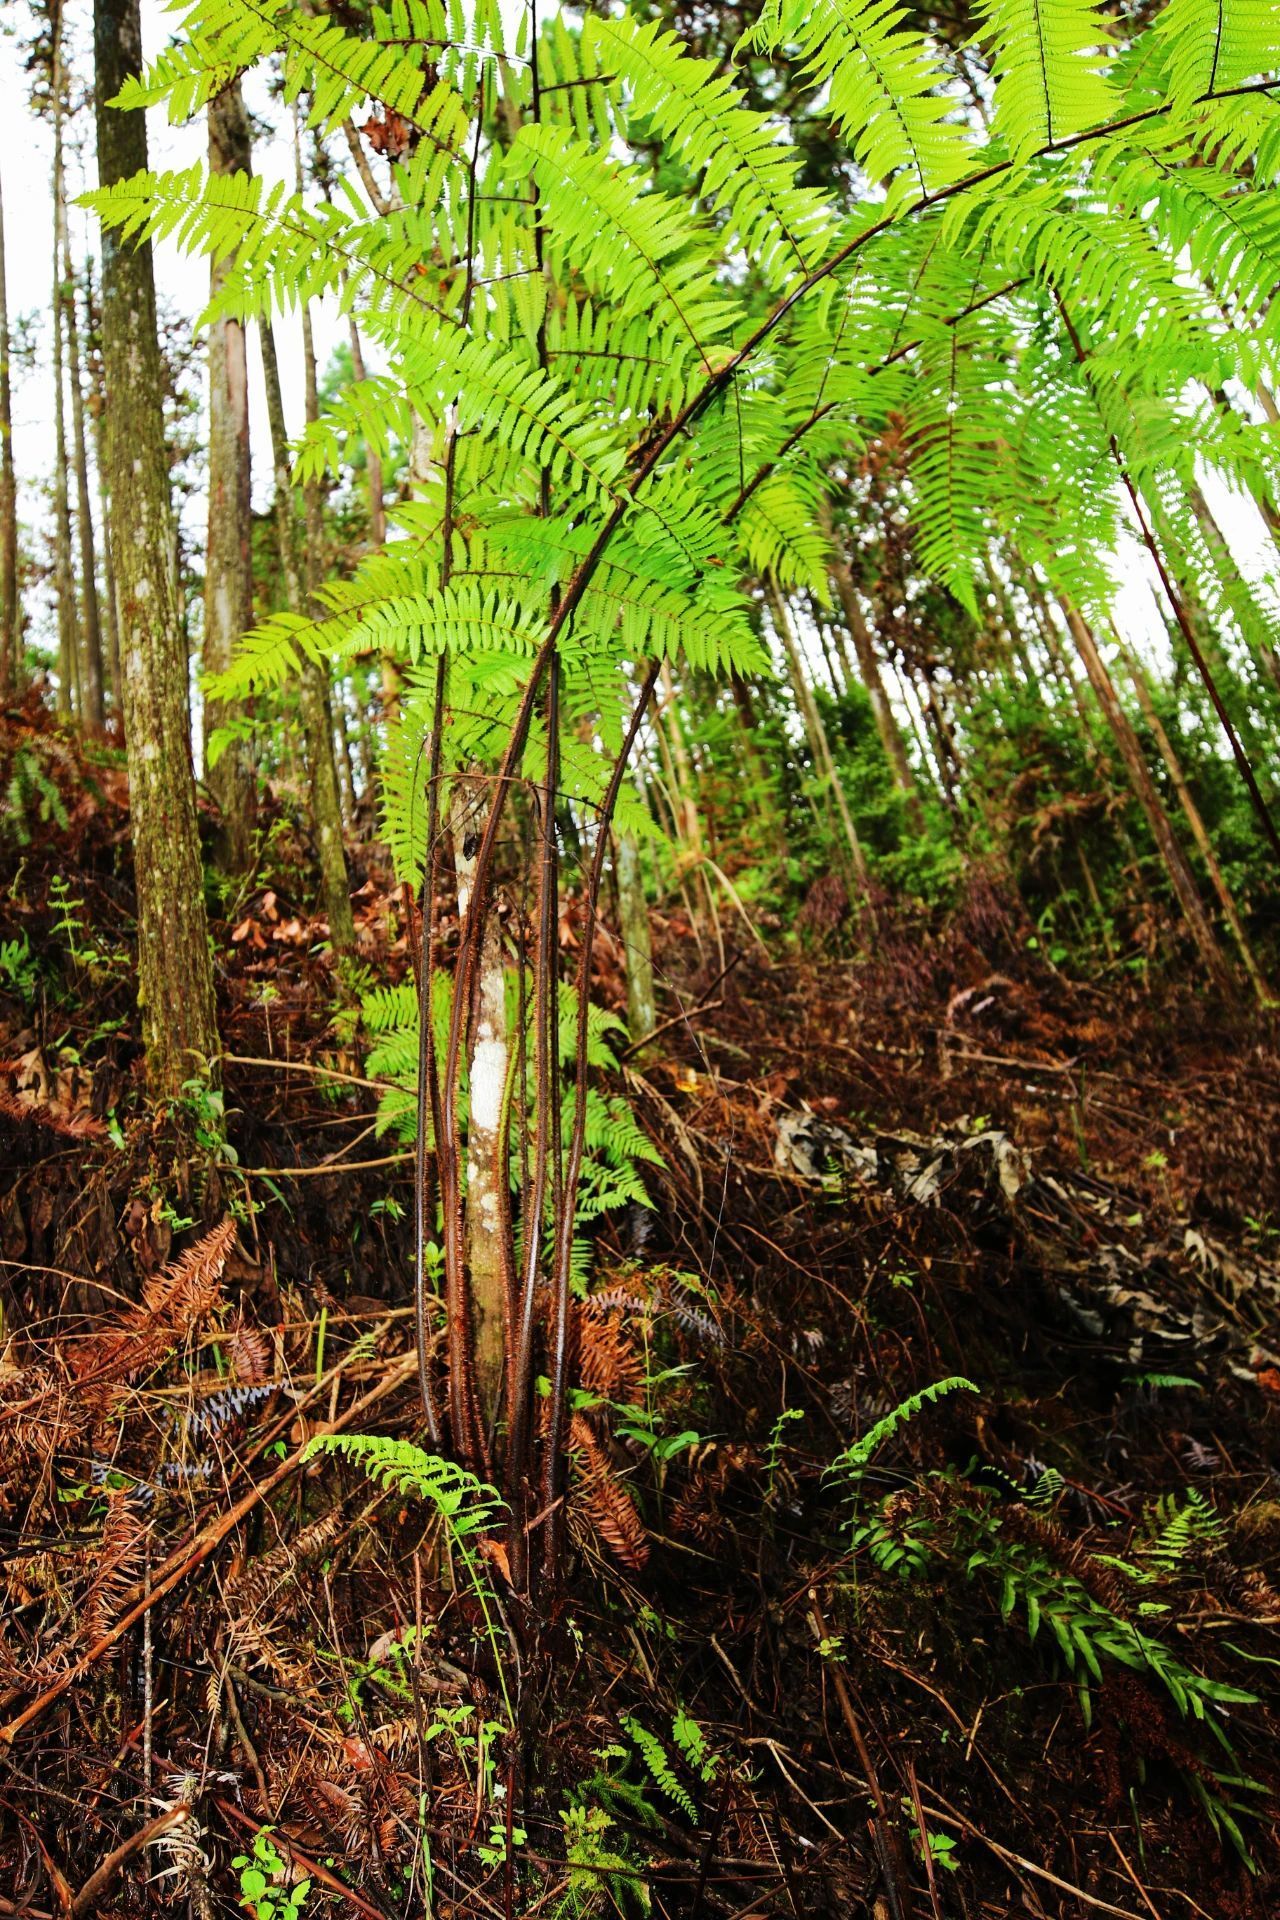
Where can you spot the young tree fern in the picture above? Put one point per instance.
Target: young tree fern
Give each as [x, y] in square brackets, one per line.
[629, 387]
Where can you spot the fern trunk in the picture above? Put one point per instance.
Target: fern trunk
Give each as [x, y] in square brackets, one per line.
[313, 682]
[317, 710]
[175, 972]
[1195, 821]
[487, 1216]
[820, 747]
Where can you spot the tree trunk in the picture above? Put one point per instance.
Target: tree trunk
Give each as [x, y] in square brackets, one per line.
[63, 579]
[1194, 819]
[869, 670]
[313, 689]
[10, 636]
[372, 458]
[1144, 789]
[317, 714]
[1257, 628]
[91, 675]
[819, 746]
[111, 630]
[175, 972]
[487, 1211]
[637, 943]
[228, 592]
[342, 755]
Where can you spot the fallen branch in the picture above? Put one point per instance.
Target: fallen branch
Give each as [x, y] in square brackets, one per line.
[102, 1876]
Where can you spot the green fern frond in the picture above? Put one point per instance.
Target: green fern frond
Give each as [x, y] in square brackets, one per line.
[470, 1506]
[1211, 45]
[658, 1761]
[637, 246]
[886, 87]
[743, 167]
[1048, 57]
[850, 1464]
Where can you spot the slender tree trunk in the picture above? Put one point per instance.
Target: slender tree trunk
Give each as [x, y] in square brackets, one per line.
[486, 1215]
[110, 625]
[63, 579]
[342, 754]
[1144, 789]
[228, 592]
[1194, 819]
[317, 713]
[689, 819]
[91, 677]
[637, 943]
[372, 458]
[175, 971]
[313, 687]
[869, 670]
[819, 745]
[10, 636]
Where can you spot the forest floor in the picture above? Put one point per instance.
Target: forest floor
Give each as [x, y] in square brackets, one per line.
[1018, 1657]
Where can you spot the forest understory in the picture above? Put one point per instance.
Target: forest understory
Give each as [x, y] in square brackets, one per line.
[1012, 1651]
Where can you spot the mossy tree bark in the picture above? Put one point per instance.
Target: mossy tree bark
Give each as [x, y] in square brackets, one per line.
[63, 578]
[228, 594]
[175, 969]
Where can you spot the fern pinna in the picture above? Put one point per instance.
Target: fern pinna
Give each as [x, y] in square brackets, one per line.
[628, 389]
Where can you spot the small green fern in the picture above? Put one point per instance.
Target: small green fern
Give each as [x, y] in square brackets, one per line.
[468, 1506]
[852, 1463]
[658, 1761]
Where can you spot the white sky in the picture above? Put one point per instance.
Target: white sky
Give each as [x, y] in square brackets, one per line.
[26, 160]
[26, 170]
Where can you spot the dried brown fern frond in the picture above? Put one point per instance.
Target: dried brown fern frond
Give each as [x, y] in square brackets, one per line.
[338, 1811]
[119, 1567]
[173, 1302]
[249, 1353]
[37, 1418]
[1034, 1529]
[696, 1513]
[262, 1599]
[610, 1362]
[602, 1499]
[182, 1293]
[182, 1847]
[260, 1579]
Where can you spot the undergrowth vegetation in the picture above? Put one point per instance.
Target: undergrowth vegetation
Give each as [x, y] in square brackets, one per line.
[639, 1091]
